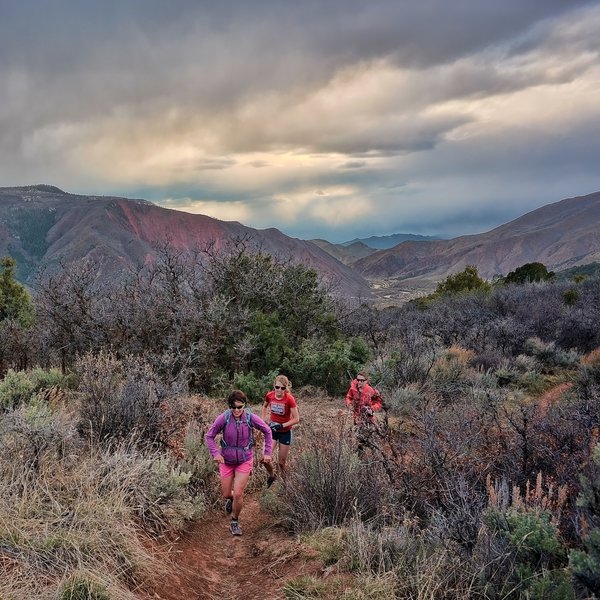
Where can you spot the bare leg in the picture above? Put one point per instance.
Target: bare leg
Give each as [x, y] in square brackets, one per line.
[227, 486]
[282, 458]
[239, 485]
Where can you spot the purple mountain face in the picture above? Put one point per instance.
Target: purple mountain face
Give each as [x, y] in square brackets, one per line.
[41, 226]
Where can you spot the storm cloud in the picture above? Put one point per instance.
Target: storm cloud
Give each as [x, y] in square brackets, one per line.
[335, 119]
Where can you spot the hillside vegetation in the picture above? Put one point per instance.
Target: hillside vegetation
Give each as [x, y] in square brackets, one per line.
[481, 479]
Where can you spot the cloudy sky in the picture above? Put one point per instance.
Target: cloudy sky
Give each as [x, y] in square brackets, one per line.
[323, 118]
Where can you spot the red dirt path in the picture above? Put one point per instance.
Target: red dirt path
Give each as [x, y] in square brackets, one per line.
[210, 564]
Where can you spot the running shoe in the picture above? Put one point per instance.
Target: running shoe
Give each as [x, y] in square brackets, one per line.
[270, 480]
[229, 505]
[235, 528]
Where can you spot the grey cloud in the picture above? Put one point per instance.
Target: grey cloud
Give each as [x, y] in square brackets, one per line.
[72, 66]
[210, 164]
[353, 164]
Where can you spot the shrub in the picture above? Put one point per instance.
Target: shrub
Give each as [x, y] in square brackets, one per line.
[81, 587]
[329, 484]
[120, 397]
[537, 556]
[570, 296]
[326, 365]
[38, 436]
[76, 518]
[372, 550]
[405, 400]
[585, 563]
[528, 273]
[524, 363]
[21, 386]
[15, 389]
[254, 386]
[550, 356]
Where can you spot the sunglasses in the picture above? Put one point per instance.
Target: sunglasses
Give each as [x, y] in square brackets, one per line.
[234, 407]
[279, 387]
[359, 379]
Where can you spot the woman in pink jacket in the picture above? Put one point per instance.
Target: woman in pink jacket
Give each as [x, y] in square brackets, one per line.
[235, 456]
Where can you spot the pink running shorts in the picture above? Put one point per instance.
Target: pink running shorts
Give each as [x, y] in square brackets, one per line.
[230, 470]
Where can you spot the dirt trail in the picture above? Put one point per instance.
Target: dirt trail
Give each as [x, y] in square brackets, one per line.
[212, 564]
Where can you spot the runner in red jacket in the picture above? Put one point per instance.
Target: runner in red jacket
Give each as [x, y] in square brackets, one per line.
[362, 399]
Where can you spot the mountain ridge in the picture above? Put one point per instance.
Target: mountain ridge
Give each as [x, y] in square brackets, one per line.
[383, 242]
[43, 226]
[560, 235]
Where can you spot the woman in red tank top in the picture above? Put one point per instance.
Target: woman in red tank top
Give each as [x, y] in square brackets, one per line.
[281, 412]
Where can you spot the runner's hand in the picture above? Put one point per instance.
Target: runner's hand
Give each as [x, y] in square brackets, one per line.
[219, 459]
[266, 458]
[275, 427]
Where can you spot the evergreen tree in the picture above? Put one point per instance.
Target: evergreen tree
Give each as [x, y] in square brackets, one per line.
[15, 301]
[465, 281]
[529, 273]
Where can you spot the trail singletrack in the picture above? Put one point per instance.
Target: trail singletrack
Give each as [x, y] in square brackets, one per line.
[209, 563]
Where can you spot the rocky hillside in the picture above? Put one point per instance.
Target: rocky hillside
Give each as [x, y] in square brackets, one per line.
[42, 225]
[560, 235]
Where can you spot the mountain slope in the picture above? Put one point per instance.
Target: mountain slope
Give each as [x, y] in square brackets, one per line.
[346, 254]
[41, 226]
[560, 235]
[383, 242]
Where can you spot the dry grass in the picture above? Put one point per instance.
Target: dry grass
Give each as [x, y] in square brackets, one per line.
[73, 516]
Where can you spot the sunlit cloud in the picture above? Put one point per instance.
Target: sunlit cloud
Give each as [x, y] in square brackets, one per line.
[225, 211]
[335, 123]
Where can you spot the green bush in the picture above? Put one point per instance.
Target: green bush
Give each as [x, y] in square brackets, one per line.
[254, 386]
[269, 341]
[405, 400]
[570, 296]
[20, 387]
[169, 489]
[81, 587]
[466, 281]
[585, 563]
[16, 388]
[550, 356]
[538, 556]
[327, 365]
[528, 273]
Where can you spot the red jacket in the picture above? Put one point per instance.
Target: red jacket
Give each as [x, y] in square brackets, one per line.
[367, 397]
